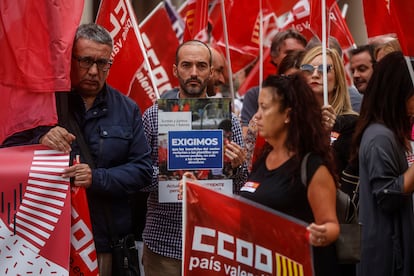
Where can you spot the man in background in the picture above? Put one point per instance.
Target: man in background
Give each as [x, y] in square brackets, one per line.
[362, 62]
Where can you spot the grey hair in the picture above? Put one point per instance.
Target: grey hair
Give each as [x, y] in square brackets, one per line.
[94, 32]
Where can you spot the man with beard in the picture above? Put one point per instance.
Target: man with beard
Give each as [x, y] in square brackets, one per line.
[214, 83]
[362, 66]
[163, 229]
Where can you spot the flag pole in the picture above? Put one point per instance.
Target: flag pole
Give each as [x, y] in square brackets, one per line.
[324, 59]
[410, 68]
[226, 40]
[260, 45]
[141, 45]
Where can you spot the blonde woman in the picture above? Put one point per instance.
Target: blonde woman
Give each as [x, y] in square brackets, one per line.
[338, 115]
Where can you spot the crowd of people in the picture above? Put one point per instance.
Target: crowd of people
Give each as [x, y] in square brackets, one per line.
[281, 121]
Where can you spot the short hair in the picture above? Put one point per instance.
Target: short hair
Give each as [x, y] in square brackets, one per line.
[388, 47]
[363, 48]
[280, 37]
[193, 42]
[293, 59]
[94, 32]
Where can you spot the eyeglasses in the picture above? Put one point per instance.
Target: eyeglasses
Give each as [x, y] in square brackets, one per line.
[308, 68]
[88, 62]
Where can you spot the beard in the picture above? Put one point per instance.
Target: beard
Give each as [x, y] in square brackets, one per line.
[191, 90]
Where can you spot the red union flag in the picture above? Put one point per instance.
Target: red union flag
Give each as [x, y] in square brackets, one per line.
[161, 57]
[377, 18]
[402, 13]
[222, 237]
[36, 40]
[196, 20]
[302, 14]
[244, 43]
[35, 212]
[129, 73]
[281, 7]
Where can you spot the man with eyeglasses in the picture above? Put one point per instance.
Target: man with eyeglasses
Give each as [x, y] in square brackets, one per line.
[104, 127]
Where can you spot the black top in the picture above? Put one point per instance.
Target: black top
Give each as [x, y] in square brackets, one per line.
[281, 189]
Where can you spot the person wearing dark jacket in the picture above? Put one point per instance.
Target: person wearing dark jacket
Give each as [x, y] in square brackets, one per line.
[111, 126]
[382, 140]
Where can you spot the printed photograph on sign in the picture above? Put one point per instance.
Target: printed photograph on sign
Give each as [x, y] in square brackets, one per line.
[192, 136]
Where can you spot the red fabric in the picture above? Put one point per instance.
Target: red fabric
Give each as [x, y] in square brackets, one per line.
[244, 42]
[224, 235]
[36, 40]
[298, 19]
[35, 222]
[196, 18]
[129, 73]
[339, 29]
[253, 78]
[308, 22]
[377, 18]
[281, 7]
[402, 14]
[315, 17]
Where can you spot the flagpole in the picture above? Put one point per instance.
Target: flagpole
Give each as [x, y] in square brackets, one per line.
[226, 40]
[184, 221]
[324, 59]
[410, 68]
[260, 45]
[141, 45]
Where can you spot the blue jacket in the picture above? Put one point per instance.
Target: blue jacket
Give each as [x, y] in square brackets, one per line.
[113, 130]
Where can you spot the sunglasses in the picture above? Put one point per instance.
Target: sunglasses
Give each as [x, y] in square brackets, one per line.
[310, 68]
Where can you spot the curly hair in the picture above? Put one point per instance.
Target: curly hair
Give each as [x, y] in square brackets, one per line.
[305, 130]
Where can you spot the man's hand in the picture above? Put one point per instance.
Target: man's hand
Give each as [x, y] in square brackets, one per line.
[58, 138]
[82, 174]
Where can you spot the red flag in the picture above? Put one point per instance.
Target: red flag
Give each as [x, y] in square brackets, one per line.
[281, 7]
[377, 18]
[161, 58]
[36, 40]
[302, 14]
[253, 78]
[35, 216]
[339, 29]
[315, 17]
[129, 73]
[244, 42]
[196, 20]
[402, 13]
[221, 237]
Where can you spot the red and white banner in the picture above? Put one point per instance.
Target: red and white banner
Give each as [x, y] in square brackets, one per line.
[160, 50]
[306, 18]
[129, 73]
[36, 40]
[83, 260]
[35, 212]
[196, 18]
[230, 236]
